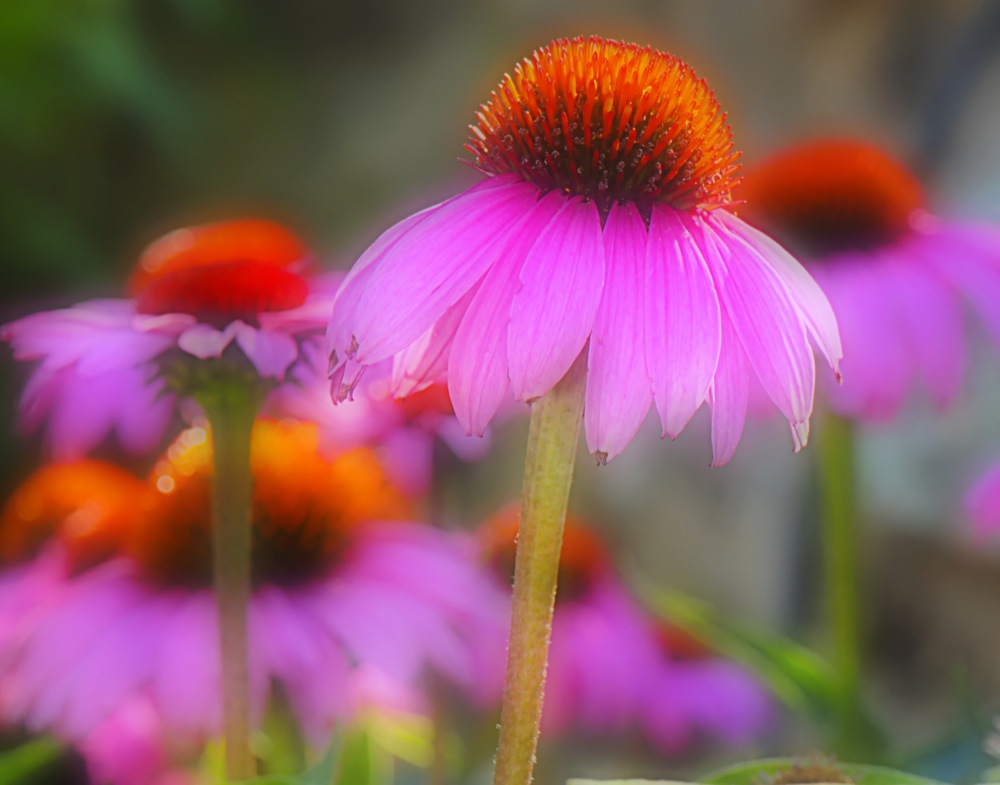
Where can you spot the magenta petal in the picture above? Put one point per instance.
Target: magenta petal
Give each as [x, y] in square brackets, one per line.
[618, 387]
[982, 503]
[728, 396]
[682, 318]
[769, 328]
[478, 365]
[553, 313]
[809, 299]
[432, 265]
[270, 352]
[204, 341]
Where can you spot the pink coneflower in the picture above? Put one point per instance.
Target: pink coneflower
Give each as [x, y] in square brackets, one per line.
[603, 226]
[340, 580]
[232, 293]
[982, 503]
[613, 668]
[895, 274]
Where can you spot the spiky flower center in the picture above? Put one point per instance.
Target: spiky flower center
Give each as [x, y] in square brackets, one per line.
[221, 272]
[306, 509]
[831, 196]
[610, 121]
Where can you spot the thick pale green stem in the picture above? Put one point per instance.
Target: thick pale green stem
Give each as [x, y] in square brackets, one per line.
[840, 555]
[548, 474]
[231, 409]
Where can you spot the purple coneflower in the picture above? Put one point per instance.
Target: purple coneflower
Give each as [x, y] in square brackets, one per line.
[604, 226]
[895, 274]
[614, 668]
[229, 292]
[339, 582]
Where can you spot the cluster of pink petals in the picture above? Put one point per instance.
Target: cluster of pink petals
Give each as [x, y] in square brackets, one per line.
[500, 288]
[900, 312]
[609, 672]
[98, 371]
[406, 443]
[78, 649]
[982, 503]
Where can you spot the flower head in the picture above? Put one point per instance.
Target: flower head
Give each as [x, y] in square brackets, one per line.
[340, 582]
[227, 298]
[612, 667]
[894, 273]
[603, 227]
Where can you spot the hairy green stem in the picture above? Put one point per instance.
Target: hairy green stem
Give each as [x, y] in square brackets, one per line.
[231, 409]
[548, 474]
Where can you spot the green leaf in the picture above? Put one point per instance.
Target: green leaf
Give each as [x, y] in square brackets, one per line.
[764, 771]
[17, 764]
[800, 677]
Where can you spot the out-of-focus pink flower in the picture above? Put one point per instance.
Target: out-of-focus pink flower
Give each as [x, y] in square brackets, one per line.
[982, 503]
[612, 668]
[896, 275]
[405, 430]
[341, 578]
[230, 292]
[604, 227]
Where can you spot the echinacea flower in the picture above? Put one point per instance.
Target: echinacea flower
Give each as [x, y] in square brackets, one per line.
[895, 274]
[232, 294]
[341, 577]
[613, 668]
[604, 227]
[982, 502]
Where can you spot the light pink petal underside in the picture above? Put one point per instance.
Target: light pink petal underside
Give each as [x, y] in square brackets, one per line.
[769, 328]
[618, 388]
[477, 366]
[205, 342]
[270, 352]
[553, 313]
[728, 396]
[811, 303]
[432, 265]
[682, 320]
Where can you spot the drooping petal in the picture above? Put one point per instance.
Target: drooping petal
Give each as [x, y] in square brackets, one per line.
[432, 265]
[618, 387]
[811, 303]
[478, 365]
[553, 312]
[728, 395]
[682, 320]
[769, 327]
[206, 342]
[270, 352]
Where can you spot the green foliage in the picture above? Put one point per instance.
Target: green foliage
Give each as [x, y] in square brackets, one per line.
[763, 772]
[18, 764]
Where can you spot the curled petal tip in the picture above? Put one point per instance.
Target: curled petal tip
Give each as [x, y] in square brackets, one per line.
[332, 364]
[601, 457]
[800, 435]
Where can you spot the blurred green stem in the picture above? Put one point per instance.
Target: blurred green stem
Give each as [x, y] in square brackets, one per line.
[840, 553]
[548, 474]
[231, 408]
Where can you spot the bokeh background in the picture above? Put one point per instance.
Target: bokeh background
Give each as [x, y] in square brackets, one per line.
[120, 120]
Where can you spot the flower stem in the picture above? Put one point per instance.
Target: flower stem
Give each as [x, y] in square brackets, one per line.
[548, 474]
[840, 551]
[231, 409]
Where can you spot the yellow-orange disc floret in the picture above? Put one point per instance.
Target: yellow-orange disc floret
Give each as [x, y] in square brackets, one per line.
[86, 505]
[832, 195]
[611, 121]
[305, 507]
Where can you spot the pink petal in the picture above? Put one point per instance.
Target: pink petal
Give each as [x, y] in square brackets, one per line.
[432, 265]
[270, 352]
[553, 313]
[769, 328]
[808, 298]
[618, 387]
[478, 366]
[982, 503]
[205, 342]
[728, 396]
[682, 317]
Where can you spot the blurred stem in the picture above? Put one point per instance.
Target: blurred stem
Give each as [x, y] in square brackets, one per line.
[231, 408]
[548, 474]
[840, 552]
